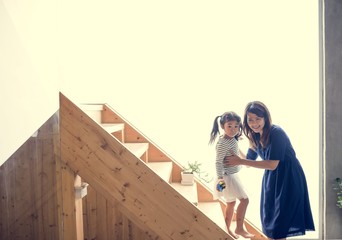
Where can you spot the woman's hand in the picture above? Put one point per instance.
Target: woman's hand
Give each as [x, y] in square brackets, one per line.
[232, 160]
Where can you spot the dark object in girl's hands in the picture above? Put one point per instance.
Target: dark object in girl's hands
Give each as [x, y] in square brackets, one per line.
[220, 186]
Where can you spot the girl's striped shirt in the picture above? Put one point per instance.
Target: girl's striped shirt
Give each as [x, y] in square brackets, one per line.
[223, 148]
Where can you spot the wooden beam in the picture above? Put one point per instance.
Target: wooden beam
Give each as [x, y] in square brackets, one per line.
[79, 210]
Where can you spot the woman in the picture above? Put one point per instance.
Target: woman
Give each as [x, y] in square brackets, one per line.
[284, 207]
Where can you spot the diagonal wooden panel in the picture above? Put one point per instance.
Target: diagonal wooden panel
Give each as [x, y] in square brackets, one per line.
[119, 175]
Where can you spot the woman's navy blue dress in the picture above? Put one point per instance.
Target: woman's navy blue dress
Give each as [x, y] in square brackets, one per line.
[284, 207]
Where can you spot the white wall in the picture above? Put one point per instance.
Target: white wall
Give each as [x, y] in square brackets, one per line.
[167, 67]
[28, 70]
[170, 68]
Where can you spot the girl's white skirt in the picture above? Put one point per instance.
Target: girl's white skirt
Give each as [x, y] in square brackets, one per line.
[234, 188]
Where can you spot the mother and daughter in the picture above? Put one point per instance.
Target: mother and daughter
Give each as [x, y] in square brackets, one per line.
[284, 206]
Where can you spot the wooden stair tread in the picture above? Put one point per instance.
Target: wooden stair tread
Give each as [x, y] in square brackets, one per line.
[189, 192]
[113, 127]
[214, 211]
[91, 107]
[93, 111]
[138, 149]
[163, 169]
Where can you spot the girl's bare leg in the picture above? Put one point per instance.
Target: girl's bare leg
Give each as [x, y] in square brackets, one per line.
[229, 217]
[240, 217]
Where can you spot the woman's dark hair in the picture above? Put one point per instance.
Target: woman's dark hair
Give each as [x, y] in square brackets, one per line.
[259, 109]
[226, 117]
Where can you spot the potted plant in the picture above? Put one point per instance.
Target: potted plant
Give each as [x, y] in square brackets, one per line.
[338, 189]
[189, 172]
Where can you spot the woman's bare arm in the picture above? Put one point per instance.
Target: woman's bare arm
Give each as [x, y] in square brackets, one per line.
[264, 164]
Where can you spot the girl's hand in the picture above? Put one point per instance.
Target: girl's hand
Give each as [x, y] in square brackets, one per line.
[220, 185]
[232, 160]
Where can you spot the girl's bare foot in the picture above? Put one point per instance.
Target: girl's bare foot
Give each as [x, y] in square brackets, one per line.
[244, 233]
[233, 234]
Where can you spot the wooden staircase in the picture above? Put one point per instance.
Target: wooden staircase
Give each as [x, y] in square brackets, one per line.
[87, 173]
[167, 169]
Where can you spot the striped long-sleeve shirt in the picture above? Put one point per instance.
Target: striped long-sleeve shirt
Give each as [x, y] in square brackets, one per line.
[223, 148]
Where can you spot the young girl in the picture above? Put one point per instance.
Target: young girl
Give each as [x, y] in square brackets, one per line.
[227, 144]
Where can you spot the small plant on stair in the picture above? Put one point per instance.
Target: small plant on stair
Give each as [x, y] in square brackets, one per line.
[192, 169]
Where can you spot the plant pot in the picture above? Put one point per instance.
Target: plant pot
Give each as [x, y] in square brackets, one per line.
[187, 178]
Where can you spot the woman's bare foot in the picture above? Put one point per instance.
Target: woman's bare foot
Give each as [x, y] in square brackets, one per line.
[244, 233]
[233, 234]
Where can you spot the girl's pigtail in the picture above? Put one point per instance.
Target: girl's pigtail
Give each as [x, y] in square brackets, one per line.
[215, 131]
